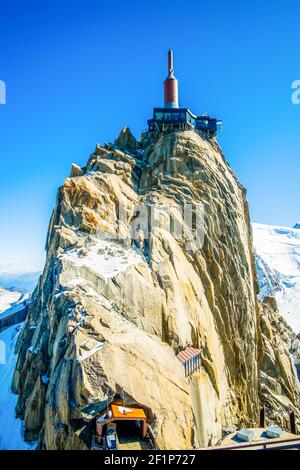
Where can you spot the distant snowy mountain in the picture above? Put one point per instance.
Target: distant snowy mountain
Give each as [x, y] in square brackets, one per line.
[277, 251]
[15, 289]
[21, 282]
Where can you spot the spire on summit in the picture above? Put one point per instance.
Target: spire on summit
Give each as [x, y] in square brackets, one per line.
[171, 85]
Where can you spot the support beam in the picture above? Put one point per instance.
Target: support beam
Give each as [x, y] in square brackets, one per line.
[262, 418]
[292, 423]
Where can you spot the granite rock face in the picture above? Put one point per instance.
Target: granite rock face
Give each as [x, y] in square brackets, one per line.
[278, 381]
[123, 292]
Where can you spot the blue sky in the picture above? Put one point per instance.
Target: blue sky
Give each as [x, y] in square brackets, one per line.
[78, 71]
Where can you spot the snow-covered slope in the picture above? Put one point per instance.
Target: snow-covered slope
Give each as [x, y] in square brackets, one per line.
[10, 427]
[8, 298]
[14, 294]
[277, 252]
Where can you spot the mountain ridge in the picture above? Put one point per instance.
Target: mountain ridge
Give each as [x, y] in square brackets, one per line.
[115, 303]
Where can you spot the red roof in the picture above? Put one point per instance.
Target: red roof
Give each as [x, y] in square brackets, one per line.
[188, 354]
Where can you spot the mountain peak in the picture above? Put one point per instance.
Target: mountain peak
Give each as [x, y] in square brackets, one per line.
[133, 277]
[126, 140]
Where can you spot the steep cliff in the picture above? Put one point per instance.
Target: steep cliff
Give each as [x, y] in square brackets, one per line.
[122, 293]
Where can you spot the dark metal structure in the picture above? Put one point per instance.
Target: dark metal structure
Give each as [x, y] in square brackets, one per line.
[16, 316]
[173, 118]
[293, 427]
[262, 418]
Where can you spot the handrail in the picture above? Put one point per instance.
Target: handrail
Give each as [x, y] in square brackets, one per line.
[98, 441]
[152, 438]
[278, 443]
[14, 318]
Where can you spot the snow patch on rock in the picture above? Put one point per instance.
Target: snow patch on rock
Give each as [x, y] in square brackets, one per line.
[106, 258]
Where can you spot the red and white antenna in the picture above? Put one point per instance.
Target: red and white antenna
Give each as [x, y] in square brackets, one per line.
[171, 85]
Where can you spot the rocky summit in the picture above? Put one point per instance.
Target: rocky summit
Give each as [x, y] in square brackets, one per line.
[123, 293]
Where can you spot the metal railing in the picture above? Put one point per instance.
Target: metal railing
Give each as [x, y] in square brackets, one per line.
[14, 318]
[274, 444]
[152, 437]
[98, 442]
